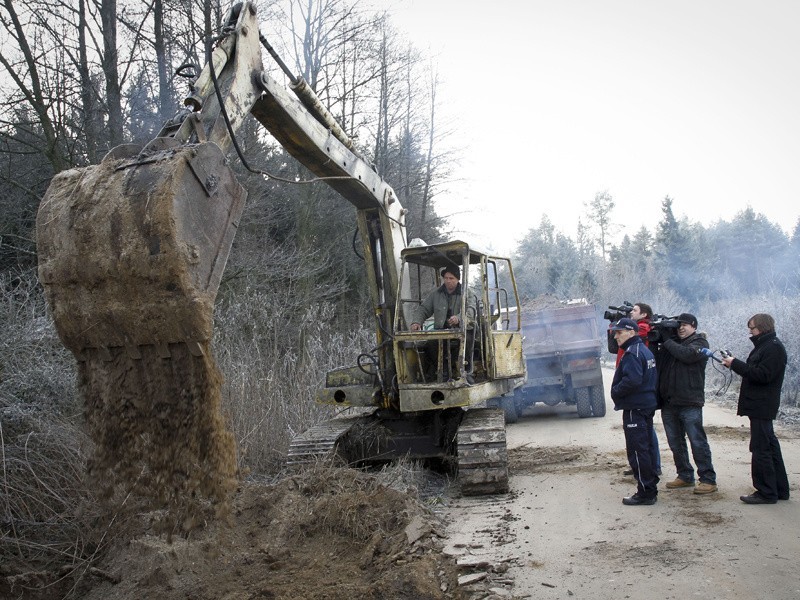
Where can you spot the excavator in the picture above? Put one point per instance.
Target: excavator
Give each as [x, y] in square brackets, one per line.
[132, 251]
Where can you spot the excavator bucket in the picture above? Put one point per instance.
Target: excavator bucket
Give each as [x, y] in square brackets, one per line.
[131, 251]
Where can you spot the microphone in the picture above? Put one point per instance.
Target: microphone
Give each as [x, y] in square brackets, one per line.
[708, 353]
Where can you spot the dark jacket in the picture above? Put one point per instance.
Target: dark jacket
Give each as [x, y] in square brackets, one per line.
[634, 383]
[682, 371]
[762, 377]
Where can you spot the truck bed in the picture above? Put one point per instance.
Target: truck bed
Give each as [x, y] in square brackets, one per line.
[560, 330]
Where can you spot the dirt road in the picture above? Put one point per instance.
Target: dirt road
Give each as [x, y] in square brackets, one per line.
[563, 532]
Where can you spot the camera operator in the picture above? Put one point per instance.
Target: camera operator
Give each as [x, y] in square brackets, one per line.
[681, 396]
[759, 399]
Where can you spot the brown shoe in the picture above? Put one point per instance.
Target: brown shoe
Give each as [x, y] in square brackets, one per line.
[705, 488]
[679, 483]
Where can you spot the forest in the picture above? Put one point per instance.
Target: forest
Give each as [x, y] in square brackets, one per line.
[79, 77]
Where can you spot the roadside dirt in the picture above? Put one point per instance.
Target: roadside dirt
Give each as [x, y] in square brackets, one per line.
[563, 532]
[324, 534]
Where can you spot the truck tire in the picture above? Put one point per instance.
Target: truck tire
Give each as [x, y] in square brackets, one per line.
[509, 409]
[584, 402]
[598, 401]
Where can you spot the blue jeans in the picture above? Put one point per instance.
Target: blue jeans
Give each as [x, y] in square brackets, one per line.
[681, 422]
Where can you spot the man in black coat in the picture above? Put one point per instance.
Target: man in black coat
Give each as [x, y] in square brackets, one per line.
[681, 396]
[759, 399]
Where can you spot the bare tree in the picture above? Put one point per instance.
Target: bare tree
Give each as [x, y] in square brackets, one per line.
[599, 211]
[26, 73]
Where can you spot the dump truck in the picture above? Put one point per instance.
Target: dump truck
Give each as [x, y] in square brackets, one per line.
[562, 347]
[132, 251]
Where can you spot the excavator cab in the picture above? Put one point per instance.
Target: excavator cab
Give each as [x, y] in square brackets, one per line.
[481, 357]
[442, 367]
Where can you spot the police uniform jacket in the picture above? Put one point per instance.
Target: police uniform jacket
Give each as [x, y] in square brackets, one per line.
[634, 383]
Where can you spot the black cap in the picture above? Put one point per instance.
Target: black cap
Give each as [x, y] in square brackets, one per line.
[688, 319]
[453, 270]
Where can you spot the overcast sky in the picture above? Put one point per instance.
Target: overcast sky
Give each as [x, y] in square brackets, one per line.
[554, 101]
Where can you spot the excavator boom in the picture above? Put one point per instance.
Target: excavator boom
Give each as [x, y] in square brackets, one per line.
[132, 250]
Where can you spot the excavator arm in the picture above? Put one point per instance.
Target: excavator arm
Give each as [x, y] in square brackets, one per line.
[132, 250]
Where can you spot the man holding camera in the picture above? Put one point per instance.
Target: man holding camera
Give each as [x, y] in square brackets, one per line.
[681, 396]
[633, 391]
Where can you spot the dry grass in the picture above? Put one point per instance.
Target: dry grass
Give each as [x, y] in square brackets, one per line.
[274, 361]
[49, 519]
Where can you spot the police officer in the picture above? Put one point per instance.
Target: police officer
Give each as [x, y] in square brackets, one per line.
[633, 391]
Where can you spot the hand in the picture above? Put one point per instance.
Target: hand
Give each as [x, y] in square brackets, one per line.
[415, 327]
[453, 321]
[727, 360]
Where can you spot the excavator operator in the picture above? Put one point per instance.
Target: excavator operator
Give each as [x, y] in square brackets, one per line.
[444, 303]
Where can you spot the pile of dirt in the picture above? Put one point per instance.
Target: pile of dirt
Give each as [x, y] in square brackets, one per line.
[541, 302]
[324, 533]
[159, 433]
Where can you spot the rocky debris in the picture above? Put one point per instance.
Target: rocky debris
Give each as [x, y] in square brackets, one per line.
[322, 534]
[481, 555]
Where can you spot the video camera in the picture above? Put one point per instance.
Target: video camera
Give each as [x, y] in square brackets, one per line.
[619, 312]
[662, 328]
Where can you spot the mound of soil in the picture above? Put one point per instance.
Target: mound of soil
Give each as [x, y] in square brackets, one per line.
[159, 432]
[322, 534]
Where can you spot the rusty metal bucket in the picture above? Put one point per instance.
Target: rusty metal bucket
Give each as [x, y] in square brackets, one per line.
[131, 251]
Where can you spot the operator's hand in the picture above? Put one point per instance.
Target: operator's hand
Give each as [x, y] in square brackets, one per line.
[453, 321]
[727, 360]
[416, 327]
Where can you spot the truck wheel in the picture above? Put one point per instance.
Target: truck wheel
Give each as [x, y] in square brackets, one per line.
[584, 402]
[598, 401]
[509, 408]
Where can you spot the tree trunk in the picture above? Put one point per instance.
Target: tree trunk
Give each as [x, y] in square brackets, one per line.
[165, 104]
[88, 98]
[108, 16]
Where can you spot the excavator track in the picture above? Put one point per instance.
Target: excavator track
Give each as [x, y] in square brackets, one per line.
[482, 454]
[320, 443]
